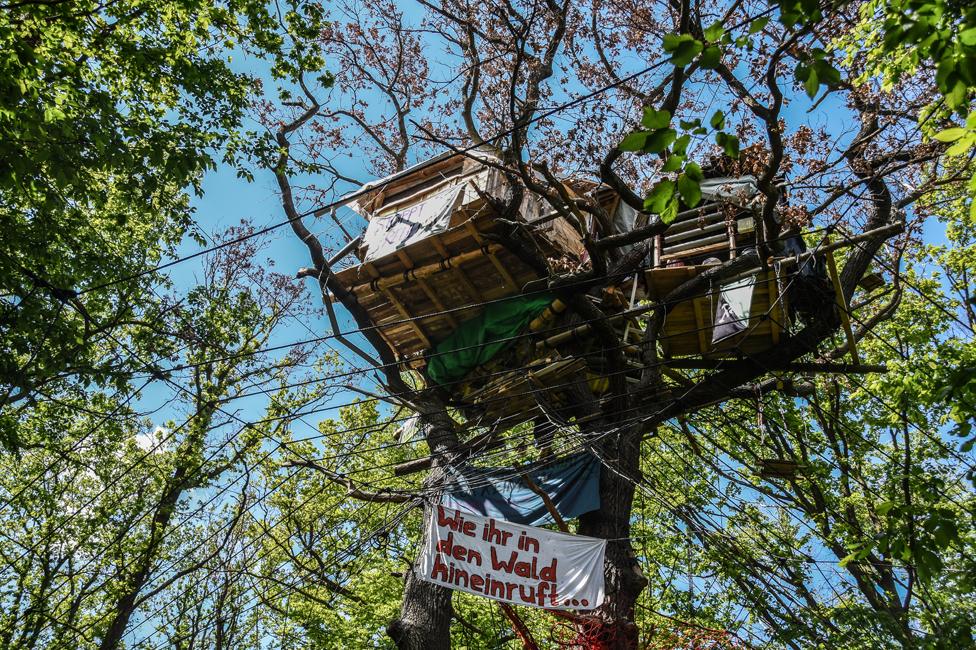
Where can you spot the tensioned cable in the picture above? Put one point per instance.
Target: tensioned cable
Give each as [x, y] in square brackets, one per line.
[227, 442]
[519, 472]
[371, 188]
[173, 431]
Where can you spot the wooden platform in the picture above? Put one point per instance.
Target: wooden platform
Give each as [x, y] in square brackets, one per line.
[419, 294]
[688, 328]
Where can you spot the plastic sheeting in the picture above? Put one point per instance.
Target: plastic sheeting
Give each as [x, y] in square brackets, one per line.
[738, 190]
[478, 340]
[734, 308]
[386, 234]
[624, 219]
[573, 484]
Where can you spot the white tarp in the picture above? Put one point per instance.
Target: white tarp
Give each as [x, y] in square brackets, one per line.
[385, 234]
[523, 565]
[734, 308]
[738, 190]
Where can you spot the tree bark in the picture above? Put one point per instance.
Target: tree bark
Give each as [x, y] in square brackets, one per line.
[426, 612]
[624, 581]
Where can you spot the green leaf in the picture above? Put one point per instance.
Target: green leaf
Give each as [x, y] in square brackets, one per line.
[653, 119]
[660, 194]
[950, 135]
[714, 32]
[883, 508]
[682, 47]
[673, 163]
[672, 41]
[711, 57]
[968, 37]
[927, 564]
[718, 120]
[758, 24]
[681, 145]
[946, 533]
[956, 97]
[670, 211]
[695, 123]
[812, 83]
[694, 172]
[660, 140]
[828, 74]
[729, 143]
[634, 141]
[962, 146]
[689, 189]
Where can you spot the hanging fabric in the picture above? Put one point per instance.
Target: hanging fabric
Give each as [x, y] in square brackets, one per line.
[478, 340]
[737, 190]
[386, 234]
[572, 484]
[734, 308]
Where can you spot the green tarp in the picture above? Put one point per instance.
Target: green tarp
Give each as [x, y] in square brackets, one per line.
[478, 340]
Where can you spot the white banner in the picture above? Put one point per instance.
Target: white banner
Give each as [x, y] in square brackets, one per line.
[384, 235]
[523, 565]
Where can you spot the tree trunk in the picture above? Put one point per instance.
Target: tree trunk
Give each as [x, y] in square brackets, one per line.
[623, 578]
[426, 612]
[125, 605]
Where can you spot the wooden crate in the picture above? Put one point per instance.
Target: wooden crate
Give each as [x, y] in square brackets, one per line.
[687, 329]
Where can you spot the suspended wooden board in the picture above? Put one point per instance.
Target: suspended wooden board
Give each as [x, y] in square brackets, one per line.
[514, 397]
[688, 327]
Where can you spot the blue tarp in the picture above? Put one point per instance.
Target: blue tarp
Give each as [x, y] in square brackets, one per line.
[573, 484]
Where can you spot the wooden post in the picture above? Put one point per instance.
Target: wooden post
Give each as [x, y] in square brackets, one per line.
[842, 304]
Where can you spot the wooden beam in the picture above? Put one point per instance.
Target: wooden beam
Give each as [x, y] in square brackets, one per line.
[841, 303]
[502, 271]
[428, 290]
[380, 283]
[456, 271]
[796, 366]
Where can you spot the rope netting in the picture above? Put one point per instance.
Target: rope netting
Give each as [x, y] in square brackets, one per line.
[577, 632]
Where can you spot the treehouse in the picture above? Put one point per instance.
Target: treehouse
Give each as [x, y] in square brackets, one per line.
[739, 316]
[463, 312]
